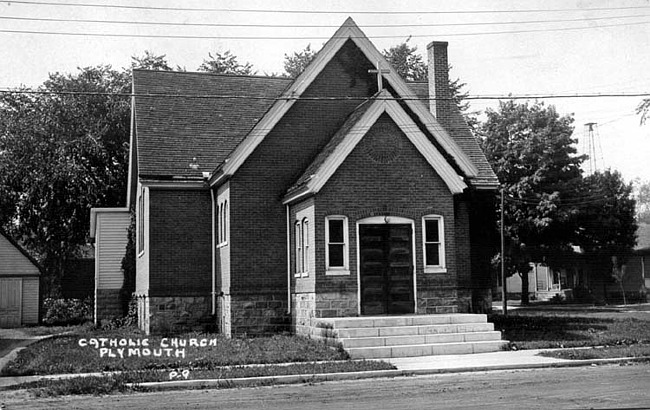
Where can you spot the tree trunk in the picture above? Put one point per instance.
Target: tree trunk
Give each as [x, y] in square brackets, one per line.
[524, 289]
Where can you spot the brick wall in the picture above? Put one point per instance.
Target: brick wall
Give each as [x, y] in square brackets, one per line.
[368, 184]
[258, 217]
[174, 314]
[180, 243]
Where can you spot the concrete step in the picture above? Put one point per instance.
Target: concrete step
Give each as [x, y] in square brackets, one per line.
[410, 330]
[395, 321]
[419, 339]
[386, 352]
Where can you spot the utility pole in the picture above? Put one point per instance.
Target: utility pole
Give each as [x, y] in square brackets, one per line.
[504, 293]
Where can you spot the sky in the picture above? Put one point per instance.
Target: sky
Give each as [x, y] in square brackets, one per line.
[496, 47]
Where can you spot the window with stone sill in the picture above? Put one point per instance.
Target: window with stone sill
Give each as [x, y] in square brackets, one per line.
[337, 245]
[433, 240]
[301, 238]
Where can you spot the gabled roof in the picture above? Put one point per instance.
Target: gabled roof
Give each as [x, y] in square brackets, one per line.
[351, 133]
[21, 249]
[176, 120]
[461, 133]
[348, 31]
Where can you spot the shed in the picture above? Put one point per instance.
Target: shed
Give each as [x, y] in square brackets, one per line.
[19, 284]
[109, 228]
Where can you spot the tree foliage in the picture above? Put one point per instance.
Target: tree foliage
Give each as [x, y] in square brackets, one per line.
[550, 206]
[295, 64]
[407, 62]
[150, 61]
[62, 152]
[225, 63]
[643, 109]
[643, 200]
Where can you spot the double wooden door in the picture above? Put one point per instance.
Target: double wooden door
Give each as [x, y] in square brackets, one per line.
[386, 262]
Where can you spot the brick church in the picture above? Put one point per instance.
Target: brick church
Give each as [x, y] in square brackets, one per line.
[264, 203]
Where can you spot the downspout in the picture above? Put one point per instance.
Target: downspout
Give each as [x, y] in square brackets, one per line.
[214, 256]
[288, 261]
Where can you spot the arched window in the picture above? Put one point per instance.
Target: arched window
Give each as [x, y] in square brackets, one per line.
[305, 245]
[298, 242]
[221, 223]
[225, 222]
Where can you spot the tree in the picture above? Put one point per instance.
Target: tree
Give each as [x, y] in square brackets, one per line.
[606, 221]
[150, 61]
[411, 66]
[643, 109]
[225, 63]
[408, 64]
[64, 151]
[643, 200]
[531, 151]
[296, 63]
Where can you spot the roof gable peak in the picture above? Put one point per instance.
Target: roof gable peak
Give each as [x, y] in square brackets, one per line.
[348, 31]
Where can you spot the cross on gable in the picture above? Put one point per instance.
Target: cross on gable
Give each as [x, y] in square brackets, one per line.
[379, 71]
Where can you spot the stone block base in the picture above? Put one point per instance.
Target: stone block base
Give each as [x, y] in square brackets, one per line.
[175, 314]
[259, 314]
[107, 305]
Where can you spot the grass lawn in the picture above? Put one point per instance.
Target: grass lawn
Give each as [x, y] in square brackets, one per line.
[573, 327]
[128, 381]
[64, 354]
[78, 350]
[606, 352]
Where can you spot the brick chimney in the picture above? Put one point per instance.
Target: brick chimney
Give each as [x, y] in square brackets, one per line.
[439, 93]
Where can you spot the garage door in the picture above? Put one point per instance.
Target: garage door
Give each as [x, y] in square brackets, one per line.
[10, 302]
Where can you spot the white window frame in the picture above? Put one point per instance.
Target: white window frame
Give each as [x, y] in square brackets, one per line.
[305, 246]
[298, 254]
[441, 267]
[222, 222]
[141, 223]
[337, 270]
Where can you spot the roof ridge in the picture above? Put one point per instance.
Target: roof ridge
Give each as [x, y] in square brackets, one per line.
[208, 73]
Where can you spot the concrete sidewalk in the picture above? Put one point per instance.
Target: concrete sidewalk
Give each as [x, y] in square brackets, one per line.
[16, 340]
[479, 362]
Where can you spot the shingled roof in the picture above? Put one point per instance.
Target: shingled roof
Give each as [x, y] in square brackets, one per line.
[461, 133]
[177, 118]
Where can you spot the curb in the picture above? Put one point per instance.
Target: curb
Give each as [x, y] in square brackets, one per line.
[326, 377]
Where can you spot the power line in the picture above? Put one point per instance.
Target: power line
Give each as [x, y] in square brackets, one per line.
[322, 98]
[245, 25]
[276, 11]
[195, 37]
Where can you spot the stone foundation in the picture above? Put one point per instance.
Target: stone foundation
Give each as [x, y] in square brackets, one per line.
[303, 309]
[107, 305]
[336, 304]
[179, 314]
[437, 301]
[259, 314]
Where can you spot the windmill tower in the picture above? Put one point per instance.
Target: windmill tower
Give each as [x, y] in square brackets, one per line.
[591, 146]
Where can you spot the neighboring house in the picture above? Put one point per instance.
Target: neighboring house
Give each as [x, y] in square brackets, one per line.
[109, 229]
[263, 202]
[19, 284]
[637, 268]
[544, 282]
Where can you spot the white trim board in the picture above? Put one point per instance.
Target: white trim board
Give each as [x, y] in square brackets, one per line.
[380, 106]
[348, 31]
